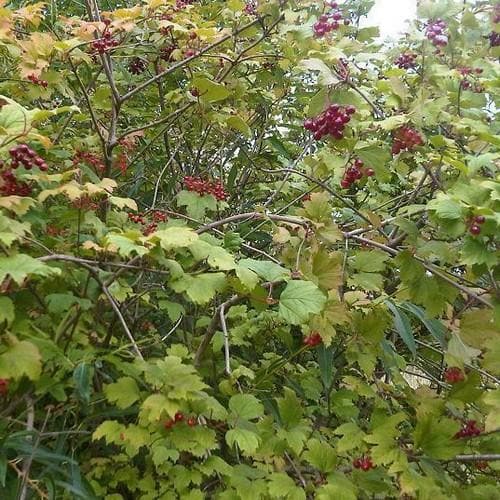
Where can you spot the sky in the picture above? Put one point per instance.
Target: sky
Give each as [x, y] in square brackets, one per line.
[390, 16]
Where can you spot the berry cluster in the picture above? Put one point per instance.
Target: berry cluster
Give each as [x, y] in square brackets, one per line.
[106, 42]
[494, 39]
[331, 121]
[436, 33]
[406, 139]
[363, 463]
[179, 417]
[200, 186]
[250, 8]
[37, 81]
[90, 159]
[150, 226]
[329, 22]
[23, 155]
[496, 14]
[4, 386]
[166, 52]
[85, 202]
[313, 339]
[475, 226]
[10, 186]
[182, 4]
[354, 173]
[465, 83]
[469, 429]
[453, 375]
[137, 66]
[406, 61]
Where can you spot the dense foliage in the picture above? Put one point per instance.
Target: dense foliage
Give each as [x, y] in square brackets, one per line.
[248, 252]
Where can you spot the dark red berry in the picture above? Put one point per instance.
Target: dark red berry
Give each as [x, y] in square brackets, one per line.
[453, 375]
[4, 386]
[474, 229]
[479, 219]
[168, 424]
[179, 416]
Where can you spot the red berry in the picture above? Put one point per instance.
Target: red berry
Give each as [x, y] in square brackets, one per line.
[313, 339]
[474, 229]
[479, 219]
[369, 172]
[168, 424]
[191, 421]
[454, 375]
[363, 463]
[4, 386]
[179, 416]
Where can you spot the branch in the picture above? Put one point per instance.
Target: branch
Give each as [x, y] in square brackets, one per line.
[431, 268]
[222, 316]
[212, 328]
[184, 62]
[251, 216]
[487, 457]
[30, 420]
[95, 275]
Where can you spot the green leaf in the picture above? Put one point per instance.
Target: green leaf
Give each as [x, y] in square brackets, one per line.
[247, 441]
[58, 303]
[290, 408]
[200, 288]
[20, 266]
[434, 326]
[216, 256]
[320, 455]
[435, 437]
[352, 437]
[82, 377]
[123, 393]
[126, 244]
[239, 124]
[403, 327]
[446, 208]
[19, 359]
[338, 488]
[196, 206]
[174, 309]
[7, 312]
[248, 278]
[175, 237]
[281, 485]
[299, 300]
[326, 366]
[326, 76]
[392, 122]
[209, 90]
[266, 269]
[477, 327]
[110, 430]
[374, 157]
[246, 406]
[371, 261]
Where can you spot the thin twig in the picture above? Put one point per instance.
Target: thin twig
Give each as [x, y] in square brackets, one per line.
[222, 316]
[212, 328]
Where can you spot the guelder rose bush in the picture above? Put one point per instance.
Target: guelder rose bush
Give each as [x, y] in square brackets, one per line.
[248, 252]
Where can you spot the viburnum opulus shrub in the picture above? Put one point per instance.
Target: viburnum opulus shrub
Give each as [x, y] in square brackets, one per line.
[248, 251]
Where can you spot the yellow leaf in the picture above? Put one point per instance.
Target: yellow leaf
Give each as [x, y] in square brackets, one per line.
[17, 204]
[123, 202]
